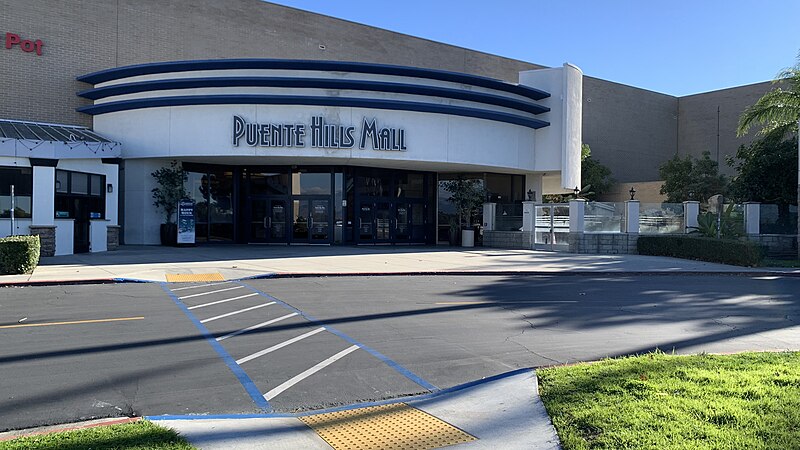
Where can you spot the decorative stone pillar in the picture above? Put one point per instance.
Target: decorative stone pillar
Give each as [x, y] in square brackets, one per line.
[752, 218]
[113, 237]
[632, 216]
[528, 216]
[577, 211]
[47, 238]
[691, 210]
[489, 212]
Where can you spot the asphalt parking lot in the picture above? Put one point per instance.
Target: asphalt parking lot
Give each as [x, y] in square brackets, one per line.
[305, 343]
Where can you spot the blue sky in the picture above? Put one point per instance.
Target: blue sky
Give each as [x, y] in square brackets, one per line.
[678, 47]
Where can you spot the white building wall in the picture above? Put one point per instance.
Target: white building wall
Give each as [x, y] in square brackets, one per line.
[44, 188]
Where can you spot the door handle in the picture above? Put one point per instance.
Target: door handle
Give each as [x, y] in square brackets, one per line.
[265, 222]
[269, 221]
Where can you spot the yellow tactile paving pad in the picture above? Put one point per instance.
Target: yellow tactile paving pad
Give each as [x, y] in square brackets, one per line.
[193, 277]
[395, 426]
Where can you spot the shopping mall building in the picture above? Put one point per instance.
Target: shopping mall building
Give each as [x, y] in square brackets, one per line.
[299, 128]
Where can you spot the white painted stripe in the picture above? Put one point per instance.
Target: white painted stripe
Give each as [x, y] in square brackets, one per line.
[199, 286]
[236, 312]
[298, 378]
[262, 324]
[222, 301]
[209, 292]
[279, 346]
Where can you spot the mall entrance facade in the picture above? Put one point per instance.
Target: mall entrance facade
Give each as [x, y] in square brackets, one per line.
[312, 205]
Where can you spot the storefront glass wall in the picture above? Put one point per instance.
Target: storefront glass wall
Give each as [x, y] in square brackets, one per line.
[22, 180]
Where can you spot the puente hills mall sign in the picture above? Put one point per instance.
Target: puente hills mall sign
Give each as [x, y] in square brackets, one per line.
[319, 134]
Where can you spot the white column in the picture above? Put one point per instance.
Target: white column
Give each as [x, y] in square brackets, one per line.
[528, 216]
[691, 210]
[577, 210]
[44, 191]
[489, 211]
[632, 216]
[752, 218]
[112, 198]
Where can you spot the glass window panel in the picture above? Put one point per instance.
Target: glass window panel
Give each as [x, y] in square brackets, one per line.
[22, 206]
[21, 178]
[220, 206]
[411, 185]
[269, 183]
[62, 181]
[499, 187]
[197, 188]
[309, 183]
[80, 183]
[97, 184]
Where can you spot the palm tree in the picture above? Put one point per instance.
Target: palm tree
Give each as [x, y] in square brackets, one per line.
[779, 113]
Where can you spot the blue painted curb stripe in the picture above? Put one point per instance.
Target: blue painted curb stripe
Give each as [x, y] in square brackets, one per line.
[409, 400]
[245, 380]
[388, 361]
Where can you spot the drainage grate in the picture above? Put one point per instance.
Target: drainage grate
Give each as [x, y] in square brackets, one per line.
[193, 277]
[395, 426]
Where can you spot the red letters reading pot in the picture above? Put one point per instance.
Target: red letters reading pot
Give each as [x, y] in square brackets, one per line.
[25, 44]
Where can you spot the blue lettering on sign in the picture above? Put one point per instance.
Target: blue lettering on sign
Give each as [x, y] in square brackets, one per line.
[322, 134]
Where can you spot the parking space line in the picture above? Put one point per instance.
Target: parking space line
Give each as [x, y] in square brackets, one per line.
[199, 286]
[307, 373]
[236, 312]
[279, 346]
[262, 324]
[209, 292]
[73, 322]
[244, 379]
[386, 360]
[222, 301]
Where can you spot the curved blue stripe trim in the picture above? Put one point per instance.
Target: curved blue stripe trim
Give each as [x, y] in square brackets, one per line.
[295, 64]
[125, 105]
[314, 83]
[240, 374]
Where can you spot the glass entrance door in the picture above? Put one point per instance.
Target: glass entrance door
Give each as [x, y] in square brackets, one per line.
[366, 215]
[311, 220]
[383, 222]
[268, 220]
[402, 220]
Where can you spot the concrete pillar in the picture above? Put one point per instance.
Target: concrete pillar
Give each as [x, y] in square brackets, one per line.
[489, 212]
[752, 218]
[44, 189]
[112, 198]
[577, 211]
[528, 216]
[691, 210]
[632, 216]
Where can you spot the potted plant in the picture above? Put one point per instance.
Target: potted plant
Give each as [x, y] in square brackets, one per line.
[467, 195]
[166, 196]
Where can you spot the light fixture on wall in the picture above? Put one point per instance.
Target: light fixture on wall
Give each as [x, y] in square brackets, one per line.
[58, 185]
[632, 192]
[576, 191]
[109, 188]
[531, 195]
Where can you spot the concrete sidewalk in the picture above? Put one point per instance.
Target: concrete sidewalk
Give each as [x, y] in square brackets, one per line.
[152, 263]
[501, 412]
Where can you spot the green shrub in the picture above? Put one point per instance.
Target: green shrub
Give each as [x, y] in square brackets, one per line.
[19, 254]
[726, 251]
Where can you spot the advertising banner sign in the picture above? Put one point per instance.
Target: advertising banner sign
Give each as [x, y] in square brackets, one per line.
[186, 222]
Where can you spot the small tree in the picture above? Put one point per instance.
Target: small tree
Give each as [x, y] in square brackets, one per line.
[594, 174]
[691, 178]
[467, 195]
[170, 189]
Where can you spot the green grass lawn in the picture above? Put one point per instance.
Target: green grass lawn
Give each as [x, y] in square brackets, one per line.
[137, 435]
[658, 401]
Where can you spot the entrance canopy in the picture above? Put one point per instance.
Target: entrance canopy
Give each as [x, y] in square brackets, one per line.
[20, 139]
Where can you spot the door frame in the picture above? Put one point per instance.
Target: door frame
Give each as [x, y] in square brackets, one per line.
[267, 199]
[310, 199]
